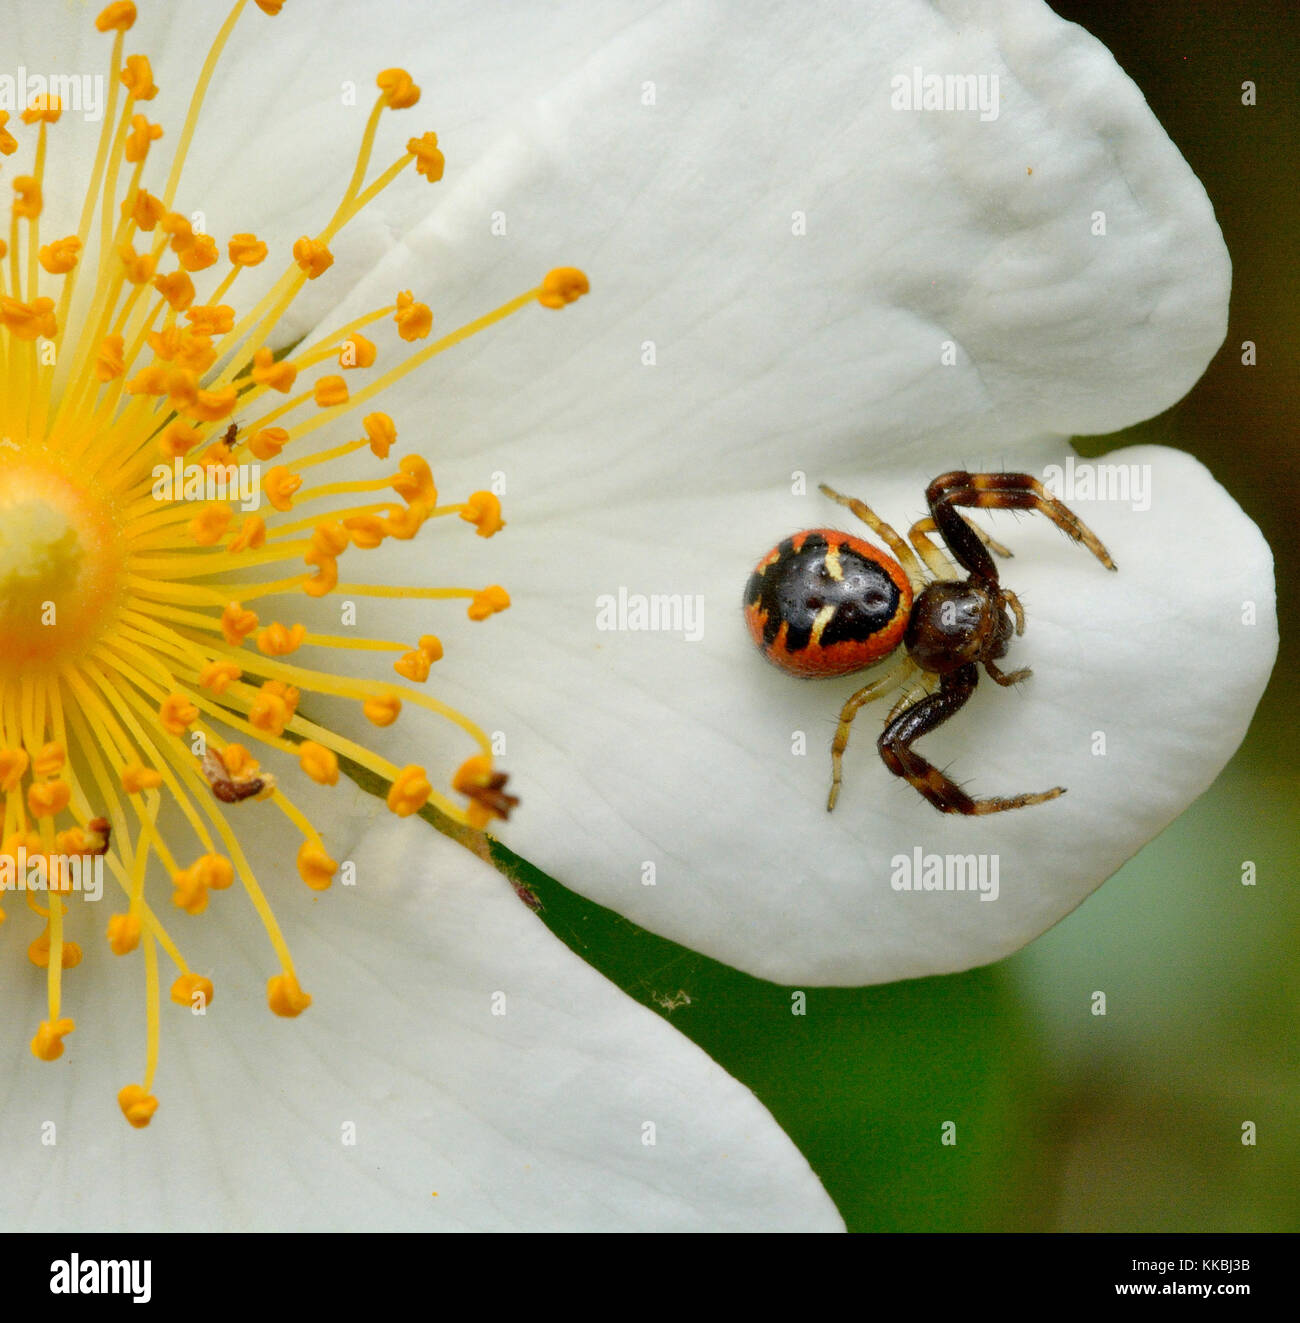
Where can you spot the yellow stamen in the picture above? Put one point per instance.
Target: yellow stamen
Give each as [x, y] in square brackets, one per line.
[131, 709]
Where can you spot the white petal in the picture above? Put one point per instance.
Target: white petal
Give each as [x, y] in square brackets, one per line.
[923, 230]
[641, 747]
[532, 1119]
[820, 355]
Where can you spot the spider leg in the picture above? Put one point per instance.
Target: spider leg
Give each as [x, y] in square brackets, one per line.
[1007, 677]
[998, 491]
[895, 745]
[934, 557]
[855, 701]
[1017, 610]
[882, 530]
[925, 684]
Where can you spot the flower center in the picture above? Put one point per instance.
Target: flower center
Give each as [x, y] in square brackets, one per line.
[59, 567]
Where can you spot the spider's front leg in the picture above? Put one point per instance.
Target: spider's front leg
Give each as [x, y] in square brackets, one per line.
[895, 745]
[998, 491]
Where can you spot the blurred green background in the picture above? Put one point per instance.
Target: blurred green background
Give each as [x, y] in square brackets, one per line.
[1072, 1121]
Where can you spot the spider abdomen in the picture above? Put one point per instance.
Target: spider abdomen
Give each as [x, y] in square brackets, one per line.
[825, 603]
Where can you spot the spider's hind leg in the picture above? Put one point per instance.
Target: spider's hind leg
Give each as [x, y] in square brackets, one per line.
[933, 555]
[903, 553]
[894, 677]
[895, 745]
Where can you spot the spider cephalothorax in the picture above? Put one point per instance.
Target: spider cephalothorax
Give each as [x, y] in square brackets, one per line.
[825, 603]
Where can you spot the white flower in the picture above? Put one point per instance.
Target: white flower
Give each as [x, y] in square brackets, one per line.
[465, 1070]
[792, 254]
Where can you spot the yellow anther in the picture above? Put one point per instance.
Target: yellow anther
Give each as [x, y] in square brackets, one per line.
[178, 439]
[212, 406]
[315, 867]
[143, 135]
[191, 895]
[414, 320]
[110, 362]
[38, 952]
[217, 676]
[280, 484]
[246, 250]
[13, 767]
[182, 387]
[8, 143]
[273, 708]
[72, 841]
[218, 456]
[51, 760]
[413, 666]
[278, 641]
[123, 933]
[29, 321]
[357, 352]
[137, 1106]
[413, 481]
[196, 353]
[285, 997]
[192, 990]
[238, 762]
[319, 763]
[149, 381]
[431, 646]
[29, 202]
[330, 392]
[117, 17]
[409, 792]
[48, 1043]
[488, 601]
[136, 777]
[483, 509]
[28, 841]
[200, 254]
[278, 376]
[45, 799]
[214, 871]
[402, 93]
[367, 531]
[144, 209]
[485, 788]
[251, 535]
[384, 710]
[60, 257]
[313, 257]
[137, 78]
[177, 713]
[429, 161]
[271, 7]
[381, 433]
[329, 538]
[179, 228]
[209, 526]
[212, 319]
[177, 288]
[267, 442]
[326, 578]
[166, 343]
[405, 524]
[43, 107]
[566, 284]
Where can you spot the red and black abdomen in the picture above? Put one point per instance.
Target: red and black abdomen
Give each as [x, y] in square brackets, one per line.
[825, 603]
